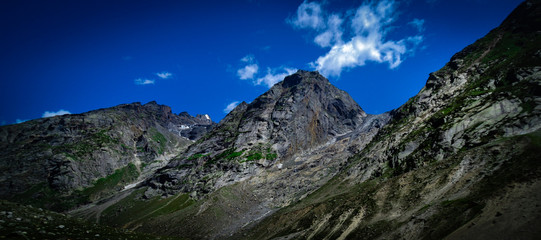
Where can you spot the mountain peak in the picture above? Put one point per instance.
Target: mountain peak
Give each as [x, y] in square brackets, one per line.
[302, 76]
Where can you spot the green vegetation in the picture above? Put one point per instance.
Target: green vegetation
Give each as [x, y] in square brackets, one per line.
[271, 156]
[42, 195]
[197, 156]
[119, 177]
[253, 156]
[132, 209]
[260, 152]
[77, 151]
[159, 139]
[28, 222]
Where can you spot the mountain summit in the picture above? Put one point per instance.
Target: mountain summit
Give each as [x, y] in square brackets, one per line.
[297, 115]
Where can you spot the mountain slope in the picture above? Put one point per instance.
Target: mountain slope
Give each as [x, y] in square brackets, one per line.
[297, 115]
[63, 161]
[460, 159]
[303, 128]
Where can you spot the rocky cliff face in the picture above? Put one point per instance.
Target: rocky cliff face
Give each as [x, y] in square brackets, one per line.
[296, 116]
[458, 160]
[84, 157]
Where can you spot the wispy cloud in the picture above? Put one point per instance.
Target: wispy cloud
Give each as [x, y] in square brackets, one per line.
[17, 121]
[164, 75]
[274, 76]
[231, 106]
[248, 58]
[309, 15]
[251, 70]
[141, 81]
[367, 27]
[333, 33]
[57, 113]
[419, 24]
[248, 71]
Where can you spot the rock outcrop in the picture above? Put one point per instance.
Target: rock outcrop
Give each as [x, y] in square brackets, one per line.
[302, 113]
[272, 152]
[458, 160]
[90, 155]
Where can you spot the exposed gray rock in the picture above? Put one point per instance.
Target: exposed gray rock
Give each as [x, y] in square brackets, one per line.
[288, 126]
[69, 153]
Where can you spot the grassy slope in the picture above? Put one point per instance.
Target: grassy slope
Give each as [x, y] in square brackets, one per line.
[26, 222]
[388, 204]
[418, 185]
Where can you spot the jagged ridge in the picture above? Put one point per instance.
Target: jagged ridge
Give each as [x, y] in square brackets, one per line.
[58, 162]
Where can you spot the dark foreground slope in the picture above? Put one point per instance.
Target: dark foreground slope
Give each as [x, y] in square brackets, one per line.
[64, 161]
[27, 222]
[460, 160]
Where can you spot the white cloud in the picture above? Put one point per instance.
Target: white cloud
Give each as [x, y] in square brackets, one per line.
[418, 24]
[248, 58]
[57, 113]
[274, 76]
[367, 29]
[248, 71]
[309, 15]
[333, 34]
[164, 75]
[140, 81]
[231, 106]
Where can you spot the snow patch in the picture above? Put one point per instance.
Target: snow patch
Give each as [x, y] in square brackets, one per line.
[131, 185]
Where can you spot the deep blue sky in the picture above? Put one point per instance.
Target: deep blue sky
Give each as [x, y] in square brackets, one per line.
[82, 55]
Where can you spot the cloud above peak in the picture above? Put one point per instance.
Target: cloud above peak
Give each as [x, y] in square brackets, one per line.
[231, 106]
[57, 113]
[356, 36]
[274, 76]
[248, 71]
[309, 15]
[251, 69]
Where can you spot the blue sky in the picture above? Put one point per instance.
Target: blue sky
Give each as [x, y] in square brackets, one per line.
[202, 57]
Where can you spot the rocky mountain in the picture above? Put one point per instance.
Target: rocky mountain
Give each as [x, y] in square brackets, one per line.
[63, 161]
[303, 128]
[194, 128]
[460, 160]
[304, 161]
[300, 114]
